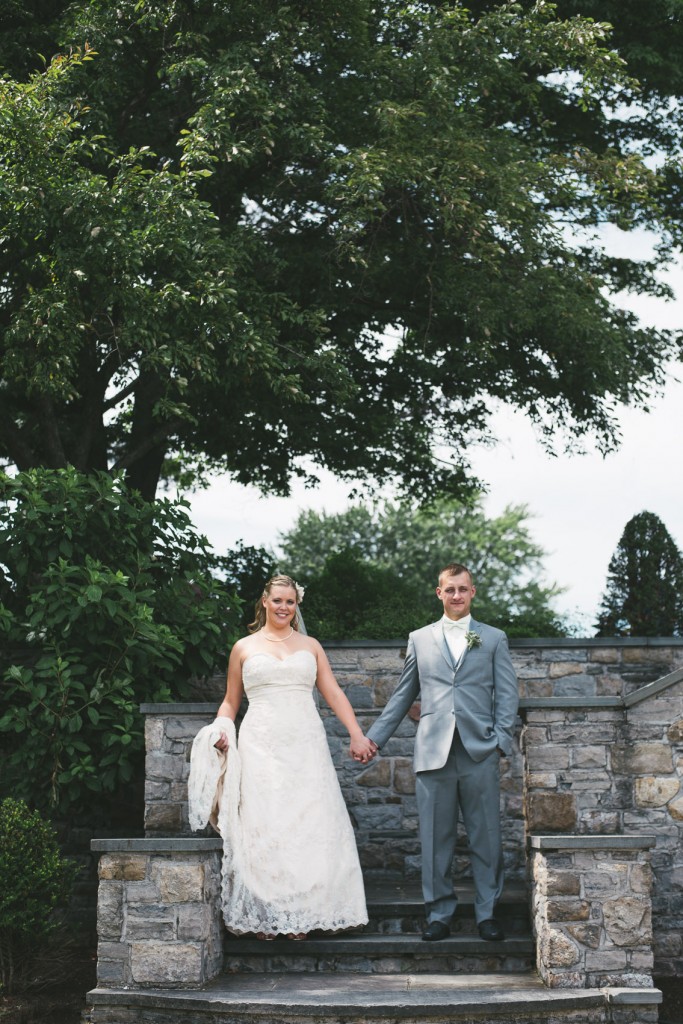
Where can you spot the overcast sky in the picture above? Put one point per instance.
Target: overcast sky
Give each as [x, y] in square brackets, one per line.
[580, 504]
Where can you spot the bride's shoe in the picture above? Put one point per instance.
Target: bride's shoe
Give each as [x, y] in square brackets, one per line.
[264, 936]
[297, 936]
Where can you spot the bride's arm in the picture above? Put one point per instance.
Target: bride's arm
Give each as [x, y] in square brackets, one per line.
[361, 748]
[234, 691]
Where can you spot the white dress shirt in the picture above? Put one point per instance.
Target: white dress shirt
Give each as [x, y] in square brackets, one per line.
[454, 630]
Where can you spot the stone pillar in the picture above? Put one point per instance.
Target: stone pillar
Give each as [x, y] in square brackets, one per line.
[158, 915]
[169, 732]
[592, 912]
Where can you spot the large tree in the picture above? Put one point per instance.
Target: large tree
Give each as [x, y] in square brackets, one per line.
[211, 215]
[644, 594]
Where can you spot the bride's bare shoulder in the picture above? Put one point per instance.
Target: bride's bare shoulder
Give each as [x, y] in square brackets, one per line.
[309, 643]
[243, 646]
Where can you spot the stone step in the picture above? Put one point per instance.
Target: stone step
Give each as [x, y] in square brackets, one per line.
[389, 851]
[371, 953]
[336, 998]
[396, 907]
[392, 940]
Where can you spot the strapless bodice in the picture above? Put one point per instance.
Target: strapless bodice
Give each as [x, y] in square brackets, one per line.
[266, 677]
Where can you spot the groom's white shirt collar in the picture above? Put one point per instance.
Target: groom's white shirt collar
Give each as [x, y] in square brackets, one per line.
[463, 623]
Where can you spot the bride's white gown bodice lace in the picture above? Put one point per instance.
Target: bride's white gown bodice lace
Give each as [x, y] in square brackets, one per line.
[290, 862]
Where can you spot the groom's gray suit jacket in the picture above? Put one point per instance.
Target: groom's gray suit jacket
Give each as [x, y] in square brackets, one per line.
[480, 696]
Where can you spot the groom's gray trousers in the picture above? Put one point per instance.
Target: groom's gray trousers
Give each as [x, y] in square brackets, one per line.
[470, 789]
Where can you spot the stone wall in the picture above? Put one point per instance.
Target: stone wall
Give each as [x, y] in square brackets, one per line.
[602, 667]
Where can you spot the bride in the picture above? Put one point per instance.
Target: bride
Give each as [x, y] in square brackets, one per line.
[290, 863]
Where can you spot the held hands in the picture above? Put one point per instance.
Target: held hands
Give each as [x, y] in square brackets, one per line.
[362, 749]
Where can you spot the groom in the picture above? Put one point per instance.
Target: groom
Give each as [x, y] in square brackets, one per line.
[469, 697]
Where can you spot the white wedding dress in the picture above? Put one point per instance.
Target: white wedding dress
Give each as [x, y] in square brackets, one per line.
[290, 862]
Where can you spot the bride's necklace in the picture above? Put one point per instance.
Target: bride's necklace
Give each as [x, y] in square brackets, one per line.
[278, 639]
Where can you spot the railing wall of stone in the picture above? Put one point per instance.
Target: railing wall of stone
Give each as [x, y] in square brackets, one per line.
[614, 766]
[602, 738]
[159, 914]
[592, 912]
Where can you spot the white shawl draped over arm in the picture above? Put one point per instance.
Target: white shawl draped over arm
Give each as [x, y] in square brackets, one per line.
[208, 770]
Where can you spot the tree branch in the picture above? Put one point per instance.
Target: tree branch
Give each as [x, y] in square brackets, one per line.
[90, 418]
[52, 435]
[162, 432]
[120, 395]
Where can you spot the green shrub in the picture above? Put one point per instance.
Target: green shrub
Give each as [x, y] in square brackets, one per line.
[352, 599]
[411, 544]
[106, 601]
[35, 881]
[355, 600]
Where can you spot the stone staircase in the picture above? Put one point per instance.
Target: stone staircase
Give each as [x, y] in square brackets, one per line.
[383, 972]
[391, 942]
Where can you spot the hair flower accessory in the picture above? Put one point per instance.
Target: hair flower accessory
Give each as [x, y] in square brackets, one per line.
[299, 592]
[472, 639]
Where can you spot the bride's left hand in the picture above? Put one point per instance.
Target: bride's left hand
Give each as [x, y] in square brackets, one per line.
[222, 743]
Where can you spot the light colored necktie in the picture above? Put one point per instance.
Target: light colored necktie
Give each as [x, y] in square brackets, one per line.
[454, 632]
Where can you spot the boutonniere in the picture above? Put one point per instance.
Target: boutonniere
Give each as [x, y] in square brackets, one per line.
[472, 639]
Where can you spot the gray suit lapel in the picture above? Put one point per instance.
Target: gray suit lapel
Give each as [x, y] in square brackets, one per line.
[475, 627]
[442, 644]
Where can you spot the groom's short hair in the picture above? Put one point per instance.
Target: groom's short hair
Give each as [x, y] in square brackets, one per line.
[455, 569]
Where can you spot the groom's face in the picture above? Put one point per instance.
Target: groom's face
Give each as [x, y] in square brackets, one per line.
[456, 593]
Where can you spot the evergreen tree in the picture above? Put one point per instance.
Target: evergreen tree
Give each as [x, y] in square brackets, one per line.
[644, 595]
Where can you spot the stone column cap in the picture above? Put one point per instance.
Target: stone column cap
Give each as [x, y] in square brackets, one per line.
[573, 703]
[634, 996]
[592, 842]
[176, 708]
[173, 845]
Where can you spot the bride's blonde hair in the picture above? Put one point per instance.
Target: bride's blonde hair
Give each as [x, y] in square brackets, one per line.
[260, 612]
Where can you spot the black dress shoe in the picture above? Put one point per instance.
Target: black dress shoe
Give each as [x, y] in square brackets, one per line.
[434, 931]
[491, 930]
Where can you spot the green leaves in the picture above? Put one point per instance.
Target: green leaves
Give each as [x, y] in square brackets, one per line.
[132, 615]
[279, 237]
[376, 568]
[210, 222]
[35, 881]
